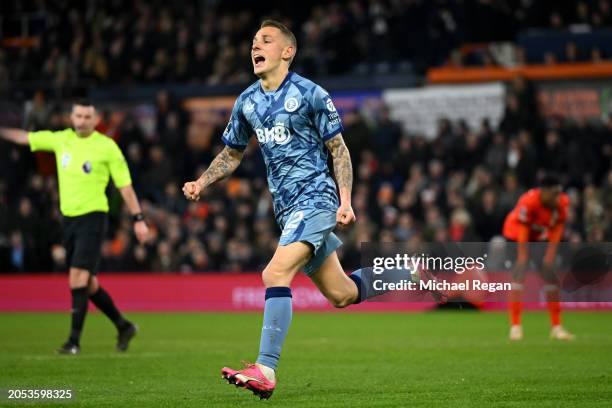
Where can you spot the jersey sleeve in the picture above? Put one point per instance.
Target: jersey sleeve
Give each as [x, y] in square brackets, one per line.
[564, 203]
[326, 117]
[45, 140]
[237, 132]
[555, 232]
[118, 167]
[525, 210]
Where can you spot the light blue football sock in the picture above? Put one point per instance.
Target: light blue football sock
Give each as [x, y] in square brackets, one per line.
[276, 321]
[362, 287]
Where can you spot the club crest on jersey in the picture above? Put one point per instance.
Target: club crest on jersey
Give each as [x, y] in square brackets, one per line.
[291, 104]
[65, 160]
[279, 134]
[87, 167]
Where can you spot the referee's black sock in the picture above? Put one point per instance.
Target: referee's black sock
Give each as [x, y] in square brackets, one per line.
[105, 303]
[79, 311]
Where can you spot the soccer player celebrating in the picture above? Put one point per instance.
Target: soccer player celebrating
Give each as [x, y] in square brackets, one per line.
[296, 123]
[539, 216]
[85, 159]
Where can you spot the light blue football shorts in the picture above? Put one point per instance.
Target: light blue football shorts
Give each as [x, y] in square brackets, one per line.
[313, 226]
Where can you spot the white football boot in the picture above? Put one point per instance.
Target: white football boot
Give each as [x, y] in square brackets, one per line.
[516, 332]
[559, 332]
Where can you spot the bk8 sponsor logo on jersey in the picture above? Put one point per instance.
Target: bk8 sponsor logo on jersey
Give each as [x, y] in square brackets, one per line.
[279, 134]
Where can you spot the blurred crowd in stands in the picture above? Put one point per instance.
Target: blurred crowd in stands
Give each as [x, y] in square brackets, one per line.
[208, 41]
[457, 186]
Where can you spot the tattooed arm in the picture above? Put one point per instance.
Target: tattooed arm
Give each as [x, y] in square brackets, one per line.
[222, 166]
[343, 170]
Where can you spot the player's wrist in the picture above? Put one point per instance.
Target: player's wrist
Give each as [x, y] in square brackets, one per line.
[345, 195]
[138, 217]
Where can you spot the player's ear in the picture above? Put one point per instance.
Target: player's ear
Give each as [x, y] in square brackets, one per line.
[96, 118]
[289, 52]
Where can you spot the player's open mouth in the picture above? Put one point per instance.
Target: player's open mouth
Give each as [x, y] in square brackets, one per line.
[258, 60]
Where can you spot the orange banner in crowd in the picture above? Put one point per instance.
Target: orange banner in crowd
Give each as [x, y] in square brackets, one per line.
[579, 103]
[535, 72]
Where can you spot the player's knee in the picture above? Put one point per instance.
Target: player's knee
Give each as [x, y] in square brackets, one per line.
[342, 303]
[341, 300]
[276, 275]
[79, 277]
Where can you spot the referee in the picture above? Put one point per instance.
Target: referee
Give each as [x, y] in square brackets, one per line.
[85, 159]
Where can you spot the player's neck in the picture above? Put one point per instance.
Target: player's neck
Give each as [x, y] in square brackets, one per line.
[272, 80]
[82, 135]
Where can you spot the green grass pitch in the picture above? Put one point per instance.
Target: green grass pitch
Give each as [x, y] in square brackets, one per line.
[444, 359]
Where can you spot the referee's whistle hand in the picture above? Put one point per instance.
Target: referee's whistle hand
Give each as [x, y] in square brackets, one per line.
[141, 230]
[192, 190]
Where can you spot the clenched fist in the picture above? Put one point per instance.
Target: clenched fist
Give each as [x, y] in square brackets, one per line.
[345, 215]
[192, 190]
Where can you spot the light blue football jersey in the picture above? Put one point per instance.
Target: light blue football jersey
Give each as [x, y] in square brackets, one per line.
[292, 125]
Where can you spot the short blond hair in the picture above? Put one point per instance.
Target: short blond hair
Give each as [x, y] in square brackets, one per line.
[287, 33]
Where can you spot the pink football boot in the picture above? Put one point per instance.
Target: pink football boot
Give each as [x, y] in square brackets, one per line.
[251, 378]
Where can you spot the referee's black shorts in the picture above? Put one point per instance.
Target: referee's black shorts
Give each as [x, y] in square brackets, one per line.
[83, 237]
